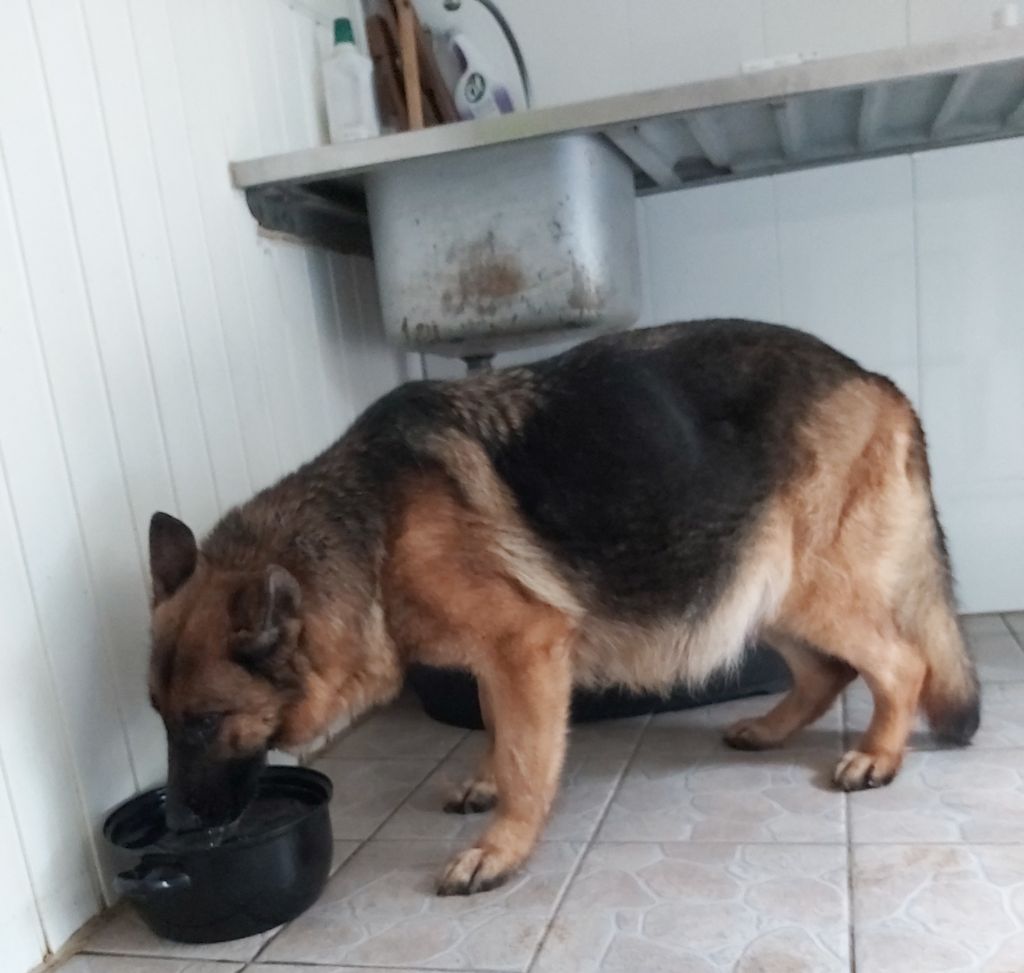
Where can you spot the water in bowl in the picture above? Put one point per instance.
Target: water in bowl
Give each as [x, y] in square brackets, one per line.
[264, 815]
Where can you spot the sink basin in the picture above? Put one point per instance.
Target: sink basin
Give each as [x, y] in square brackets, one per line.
[507, 246]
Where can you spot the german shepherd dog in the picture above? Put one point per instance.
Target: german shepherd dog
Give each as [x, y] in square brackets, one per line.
[633, 512]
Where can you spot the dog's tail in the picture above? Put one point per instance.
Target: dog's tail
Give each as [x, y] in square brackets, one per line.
[951, 697]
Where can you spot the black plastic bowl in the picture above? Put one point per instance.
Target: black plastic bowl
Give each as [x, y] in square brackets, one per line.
[238, 884]
[450, 695]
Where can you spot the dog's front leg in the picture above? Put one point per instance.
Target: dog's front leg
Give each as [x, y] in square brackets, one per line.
[480, 792]
[528, 688]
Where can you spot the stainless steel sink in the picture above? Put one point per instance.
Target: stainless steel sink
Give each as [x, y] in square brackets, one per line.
[519, 229]
[506, 246]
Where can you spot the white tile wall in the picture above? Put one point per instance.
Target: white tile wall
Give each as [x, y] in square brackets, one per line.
[970, 218]
[578, 49]
[696, 241]
[846, 261]
[670, 42]
[574, 49]
[913, 266]
[833, 28]
[941, 20]
[156, 352]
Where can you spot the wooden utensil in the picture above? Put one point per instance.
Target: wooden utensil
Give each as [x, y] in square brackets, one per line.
[407, 29]
[411, 90]
[383, 45]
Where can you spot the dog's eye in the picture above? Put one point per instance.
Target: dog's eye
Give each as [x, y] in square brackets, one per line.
[201, 728]
[207, 722]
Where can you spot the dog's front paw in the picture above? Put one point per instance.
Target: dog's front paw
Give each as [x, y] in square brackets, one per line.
[473, 797]
[858, 771]
[476, 870]
[750, 735]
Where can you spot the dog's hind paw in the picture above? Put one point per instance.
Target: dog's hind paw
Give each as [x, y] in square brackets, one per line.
[475, 870]
[473, 797]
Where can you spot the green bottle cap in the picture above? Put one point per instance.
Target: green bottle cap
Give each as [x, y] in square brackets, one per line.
[343, 31]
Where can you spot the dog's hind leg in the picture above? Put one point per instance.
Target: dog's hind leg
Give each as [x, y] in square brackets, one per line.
[817, 681]
[529, 688]
[894, 669]
[895, 677]
[480, 792]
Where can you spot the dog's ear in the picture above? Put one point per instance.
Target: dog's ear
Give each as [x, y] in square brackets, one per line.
[265, 620]
[172, 555]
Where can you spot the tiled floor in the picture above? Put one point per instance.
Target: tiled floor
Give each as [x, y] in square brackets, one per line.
[667, 852]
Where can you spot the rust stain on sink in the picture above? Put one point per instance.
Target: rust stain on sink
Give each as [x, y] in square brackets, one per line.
[484, 278]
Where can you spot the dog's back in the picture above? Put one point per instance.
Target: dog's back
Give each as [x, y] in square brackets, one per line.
[648, 458]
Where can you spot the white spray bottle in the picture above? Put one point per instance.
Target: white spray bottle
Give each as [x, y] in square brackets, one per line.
[477, 93]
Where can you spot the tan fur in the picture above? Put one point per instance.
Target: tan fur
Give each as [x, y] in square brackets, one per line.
[841, 574]
[204, 680]
[507, 538]
[865, 555]
[480, 792]
[608, 652]
[349, 666]
[450, 600]
[817, 681]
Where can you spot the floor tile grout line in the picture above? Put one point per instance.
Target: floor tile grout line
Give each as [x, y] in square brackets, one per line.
[850, 901]
[587, 845]
[365, 841]
[377, 760]
[1013, 632]
[848, 821]
[157, 956]
[317, 965]
[613, 793]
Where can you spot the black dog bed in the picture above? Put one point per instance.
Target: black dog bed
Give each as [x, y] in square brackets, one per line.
[450, 696]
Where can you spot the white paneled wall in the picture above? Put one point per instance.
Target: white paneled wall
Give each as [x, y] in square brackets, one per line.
[156, 352]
